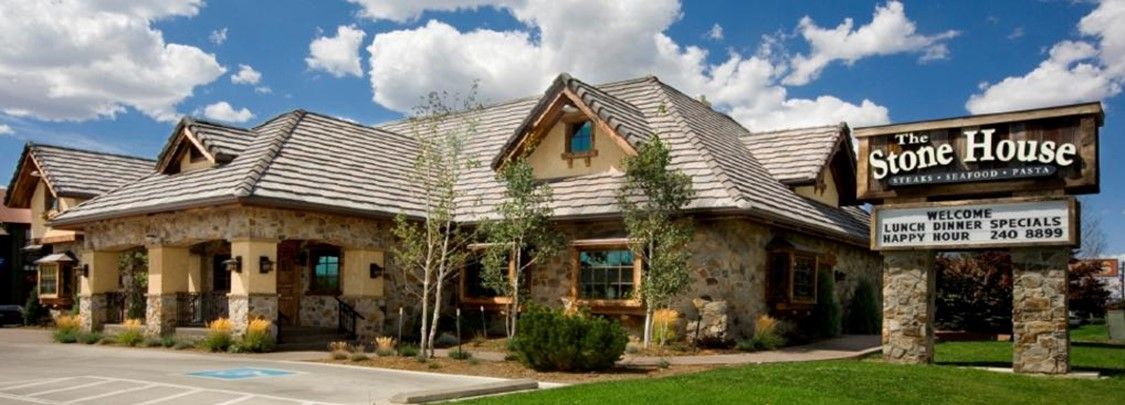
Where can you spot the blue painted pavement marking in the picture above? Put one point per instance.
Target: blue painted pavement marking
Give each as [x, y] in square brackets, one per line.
[241, 373]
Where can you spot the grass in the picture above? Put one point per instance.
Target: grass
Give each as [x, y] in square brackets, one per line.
[1093, 333]
[863, 382]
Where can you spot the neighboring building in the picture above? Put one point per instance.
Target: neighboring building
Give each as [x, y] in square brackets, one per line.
[49, 180]
[15, 233]
[291, 220]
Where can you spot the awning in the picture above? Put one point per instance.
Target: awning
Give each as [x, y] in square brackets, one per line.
[56, 258]
[32, 248]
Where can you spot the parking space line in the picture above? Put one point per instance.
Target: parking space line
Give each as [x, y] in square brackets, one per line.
[40, 382]
[73, 387]
[26, 399]
[171, 397]
[192, 387]
[13, 383]
[110, 394]
[236, 400]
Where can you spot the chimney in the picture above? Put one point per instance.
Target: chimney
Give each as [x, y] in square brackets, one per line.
[703, 99]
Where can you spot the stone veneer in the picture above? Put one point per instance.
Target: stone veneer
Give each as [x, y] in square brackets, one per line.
[1039, 311]
[92, 312]
[243, 309]
[319, 311]
[160, 314]
[908, 307]
[371, 308]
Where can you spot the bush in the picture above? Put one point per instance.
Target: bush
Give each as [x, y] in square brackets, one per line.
[90, 338]
[218, 337]
[339, 355]
[182, 345]
[664, 325]
[152, 342]
[385, 343]
[445, 340]
[864, 316]
[744, 345]
[552, 340]
[132, 333]
[459, 354]
[358, 357]
[33, 312]
[168, 341]
[767, 333]
[64, 336]
[825, 319]
[407, 350]
[259, 337]
[66, 329]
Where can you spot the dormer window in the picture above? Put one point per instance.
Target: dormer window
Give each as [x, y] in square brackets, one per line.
[196, 155]
[579, 142]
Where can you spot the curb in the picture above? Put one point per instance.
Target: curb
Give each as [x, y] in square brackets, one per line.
[445, 394]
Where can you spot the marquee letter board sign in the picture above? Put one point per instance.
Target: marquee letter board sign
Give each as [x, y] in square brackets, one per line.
[984, 155]
[984, 181]
[976, 224]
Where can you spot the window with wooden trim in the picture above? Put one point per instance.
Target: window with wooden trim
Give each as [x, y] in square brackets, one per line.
[580, 138]
[606, 273]
[792, 282]
[48, 280]
[325, 264]
[473, 286]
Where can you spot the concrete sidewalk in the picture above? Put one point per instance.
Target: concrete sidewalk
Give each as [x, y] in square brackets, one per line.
[844, 347]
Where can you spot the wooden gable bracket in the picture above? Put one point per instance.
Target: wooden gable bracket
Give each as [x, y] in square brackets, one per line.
[552, 115]
[177, 146]
[21, 191]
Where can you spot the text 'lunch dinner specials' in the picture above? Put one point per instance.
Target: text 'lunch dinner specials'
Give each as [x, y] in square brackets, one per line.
[977, 224]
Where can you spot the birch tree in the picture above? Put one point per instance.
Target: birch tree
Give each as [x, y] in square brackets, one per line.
[652, 200]
[431, 249]
[520, 238]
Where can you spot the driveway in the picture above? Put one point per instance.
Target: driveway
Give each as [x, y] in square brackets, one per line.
[35, 371]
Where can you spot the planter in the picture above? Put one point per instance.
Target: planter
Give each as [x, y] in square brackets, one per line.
[1115, 322]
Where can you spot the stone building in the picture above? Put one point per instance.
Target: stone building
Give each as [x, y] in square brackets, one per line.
[290, 220]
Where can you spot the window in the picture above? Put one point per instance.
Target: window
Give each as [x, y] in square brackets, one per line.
[606, 274]
[803, 287]
[580, 138]
[195, 155]
[50, 203]
[220, 277]
[48, 280]
[325, 271]
[793, 272]
[474, 280]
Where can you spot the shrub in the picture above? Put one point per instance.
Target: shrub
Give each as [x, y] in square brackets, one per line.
[218, 337]
[445, 340]
[152, 342]
[385, 343]
[168, 341]
[864, 315]
[66, 329]
[258, 337]
[182, 345]
[90, 338]
[459, 354]
[339, 355]
[64, 336]
[745, 345]
[33, 312]
[107, 340]
[340, 346]
[407, 350]
[384, 352]
[358, 356]
[825, 319]
[767, 333]
[132, 332]
[664, 324]
[552, 340]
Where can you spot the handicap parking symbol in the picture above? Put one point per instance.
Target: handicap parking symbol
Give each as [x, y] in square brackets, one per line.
[241, 373]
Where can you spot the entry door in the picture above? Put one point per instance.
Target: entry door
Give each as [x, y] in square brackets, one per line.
[288, 283]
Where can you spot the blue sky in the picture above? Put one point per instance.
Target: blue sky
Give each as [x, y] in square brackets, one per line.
[120, 87]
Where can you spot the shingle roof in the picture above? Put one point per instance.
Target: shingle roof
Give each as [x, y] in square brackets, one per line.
[794, 156]
[222, 141]
[82, 173]
[308, 159]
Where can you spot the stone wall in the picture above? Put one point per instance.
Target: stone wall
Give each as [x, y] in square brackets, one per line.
[1039, 311]
[243, 309]
[160, 314]
[908, 307]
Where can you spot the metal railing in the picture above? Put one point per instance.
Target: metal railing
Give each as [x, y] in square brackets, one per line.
[115, 307]
[346, 318]
[197, 309]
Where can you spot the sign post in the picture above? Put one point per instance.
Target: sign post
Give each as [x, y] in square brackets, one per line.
[996, 181]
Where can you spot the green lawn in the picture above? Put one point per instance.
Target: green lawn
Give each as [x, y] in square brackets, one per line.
[862, 382]
[1091, 333]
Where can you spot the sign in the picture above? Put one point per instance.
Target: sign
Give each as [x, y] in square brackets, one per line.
[975, 224]
[241, 373]
[1045, 149]
[1108, 267]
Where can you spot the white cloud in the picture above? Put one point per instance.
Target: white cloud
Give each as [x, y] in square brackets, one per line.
[5, 129]
[219, 36]
[1074, 71]
[339, 55]
[71, 60]
[223, 111]
[408, 62]
[410, 10]
[263, 90]
[889, 32]
[1016, 33]
[246, 75]
[716, 32]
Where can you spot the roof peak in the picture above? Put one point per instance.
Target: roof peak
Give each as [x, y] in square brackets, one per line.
[32, 145]
[801, 128]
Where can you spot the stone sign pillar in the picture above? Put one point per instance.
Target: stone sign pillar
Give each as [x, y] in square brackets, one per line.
[1039, 311]
[167, 277]
[253, 294]
[92, 304]
[908, 307]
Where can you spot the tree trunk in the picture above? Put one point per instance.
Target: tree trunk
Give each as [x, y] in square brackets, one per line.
[424, 331]
[437, 312]
[648, 326]
[513, 315]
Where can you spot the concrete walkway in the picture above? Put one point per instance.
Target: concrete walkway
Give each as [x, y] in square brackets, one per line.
[845, 347]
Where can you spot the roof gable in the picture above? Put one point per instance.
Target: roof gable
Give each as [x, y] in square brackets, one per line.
[216, 142]
[623, 122]
[71, 172]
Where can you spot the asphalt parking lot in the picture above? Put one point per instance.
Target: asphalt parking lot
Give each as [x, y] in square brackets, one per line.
[34, 371]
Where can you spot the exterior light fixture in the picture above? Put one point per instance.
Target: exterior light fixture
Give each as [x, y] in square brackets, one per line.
[376, 270]
[233, 264]
[265, 265]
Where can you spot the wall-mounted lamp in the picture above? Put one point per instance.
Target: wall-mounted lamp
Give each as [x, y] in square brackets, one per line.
[376, 270]
[233, 264]
[265, 265]
[85, 270]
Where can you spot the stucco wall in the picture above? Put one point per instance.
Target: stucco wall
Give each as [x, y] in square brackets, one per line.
[547, 161]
